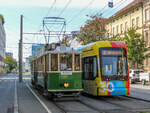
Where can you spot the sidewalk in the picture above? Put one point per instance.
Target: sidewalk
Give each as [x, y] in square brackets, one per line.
[140, 91]
[140, 86]
[26, 101]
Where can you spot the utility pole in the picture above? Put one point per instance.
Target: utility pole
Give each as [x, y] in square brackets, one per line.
[20, 49]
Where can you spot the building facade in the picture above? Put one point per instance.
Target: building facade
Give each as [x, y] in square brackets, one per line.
[128, 17]
[73, 40]
[35, 48]
[2, 45]
[27, 64]
[9, 54]
[146, 31]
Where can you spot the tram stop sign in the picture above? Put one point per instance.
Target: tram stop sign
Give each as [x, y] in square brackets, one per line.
[110, 4]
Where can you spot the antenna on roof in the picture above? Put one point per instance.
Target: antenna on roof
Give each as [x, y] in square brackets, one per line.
[110, 4]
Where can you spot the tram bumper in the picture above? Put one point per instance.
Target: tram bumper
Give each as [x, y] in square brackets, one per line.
[66, 93]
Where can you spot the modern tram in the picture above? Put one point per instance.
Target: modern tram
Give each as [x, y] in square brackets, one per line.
[105, 68]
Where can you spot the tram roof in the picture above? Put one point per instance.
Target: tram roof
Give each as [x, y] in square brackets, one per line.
[59, 49]
[102, 43]
[63, 49]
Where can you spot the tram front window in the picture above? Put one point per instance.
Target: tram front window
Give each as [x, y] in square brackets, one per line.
[114, 64]
[66, 62]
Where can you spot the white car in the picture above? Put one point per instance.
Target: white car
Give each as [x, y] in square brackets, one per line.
[144, 77]
[134, 75]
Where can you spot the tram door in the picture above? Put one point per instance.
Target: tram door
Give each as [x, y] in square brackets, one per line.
[90, 72]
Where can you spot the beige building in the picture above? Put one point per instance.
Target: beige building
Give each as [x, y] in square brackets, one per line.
[146, 30]
[128, 17]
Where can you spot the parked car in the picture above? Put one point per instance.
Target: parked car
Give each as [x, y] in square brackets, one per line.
[144, 77]
[134, 75]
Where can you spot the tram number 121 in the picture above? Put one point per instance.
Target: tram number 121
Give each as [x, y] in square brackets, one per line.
[109, 87]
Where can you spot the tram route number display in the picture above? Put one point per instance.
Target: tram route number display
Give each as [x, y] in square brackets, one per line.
[109, 87]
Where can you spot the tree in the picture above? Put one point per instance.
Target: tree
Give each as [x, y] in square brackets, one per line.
[136, 47]
[94, 30]
[1, 17]
[117, 37]
[11, 64]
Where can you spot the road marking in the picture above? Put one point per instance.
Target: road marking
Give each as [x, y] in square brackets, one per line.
[15, 100]
[8, 78]
[14, 78]
[42, 103]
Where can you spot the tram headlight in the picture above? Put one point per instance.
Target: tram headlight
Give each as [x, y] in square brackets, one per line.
[66, 85]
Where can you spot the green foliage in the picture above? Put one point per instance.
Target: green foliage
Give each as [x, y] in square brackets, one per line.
[136, 47]
[11, 64]
[115, 38]
[1, 17]
[94, 30]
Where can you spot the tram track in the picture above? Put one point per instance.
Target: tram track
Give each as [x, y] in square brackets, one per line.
[130, 99]
[125, 104]
[59, 107]
[65, 106]
[64, 109]
[77, 102]
[94, 108]
[104, 99]
[137, 98]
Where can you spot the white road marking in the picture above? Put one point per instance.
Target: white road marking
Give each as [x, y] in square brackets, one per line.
[15, 100]
[14, 78]
[42, 103]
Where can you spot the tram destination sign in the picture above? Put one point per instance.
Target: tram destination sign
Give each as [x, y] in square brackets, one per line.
[111, 52]
[66, 73]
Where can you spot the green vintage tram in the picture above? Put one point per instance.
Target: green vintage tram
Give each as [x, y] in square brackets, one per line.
[56, 69]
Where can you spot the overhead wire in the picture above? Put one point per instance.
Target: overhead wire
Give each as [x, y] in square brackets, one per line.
[50, 9]
[90, 3]
[48, 12]
[66, 6]
[118, 4]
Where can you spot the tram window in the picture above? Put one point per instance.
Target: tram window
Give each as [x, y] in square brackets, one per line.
[66, 62]
[77, 62]
[94, 67]
[54, 62]
[89, 68]
[47, 62]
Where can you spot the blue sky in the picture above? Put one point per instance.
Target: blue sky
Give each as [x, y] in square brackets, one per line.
[34, 11]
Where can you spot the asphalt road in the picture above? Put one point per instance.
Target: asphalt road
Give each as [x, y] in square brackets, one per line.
[6, 96]
[31, 101]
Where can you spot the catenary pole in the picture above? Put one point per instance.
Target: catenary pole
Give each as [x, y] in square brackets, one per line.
[20, 49]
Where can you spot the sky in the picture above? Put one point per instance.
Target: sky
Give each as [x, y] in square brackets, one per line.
[75, 12]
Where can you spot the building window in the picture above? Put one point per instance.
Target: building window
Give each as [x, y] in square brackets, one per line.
[121, 28]
[137, 22]
[146, 61]
[146, 38]
[146, 14]
[126, 26]
[133, 23]
[113, 30]
[117, 29]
